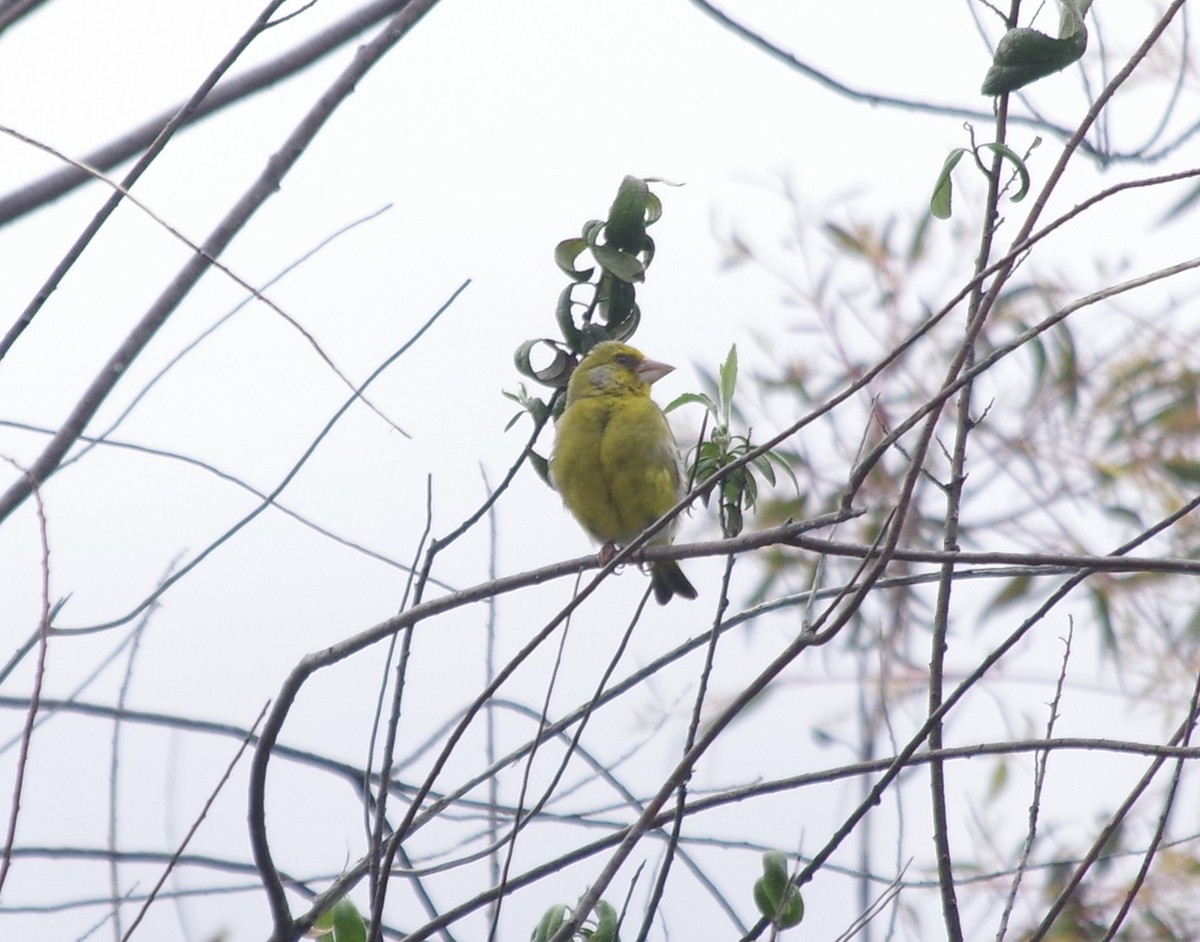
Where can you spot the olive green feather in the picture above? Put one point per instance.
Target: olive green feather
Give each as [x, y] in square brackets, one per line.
[615, 462]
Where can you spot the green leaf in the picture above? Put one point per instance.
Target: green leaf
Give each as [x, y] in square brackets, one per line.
[774, 881]
[775, 895]
[565, 254]
[626, 226]
[1018, 164]
[341, 923]
[1182, 205]
[916, 245]
[627, 325]
[1160, 928]
[606, 923]
[689, 398]
[939, 203]
[617, 301]
[845, 239]
[1071, 16]
[530, 405]
[647, 252]
[943, 190]
[728, 379]
[592, 335]
[564, 313]
[653, 204]
[592, 230]
[763, 463]
[998, 779]
[1103, 613]
[749, 491]
[557, 374]
[1015, 590]
[348, 925]
[542, 467]
[549, 924]
[1025, 55]
[623, 265]
[783, 464]
[1127, 515]
[1035, 349]
[1183, 470]
[734, 521]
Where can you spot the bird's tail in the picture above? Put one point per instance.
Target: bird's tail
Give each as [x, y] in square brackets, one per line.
[668, 580]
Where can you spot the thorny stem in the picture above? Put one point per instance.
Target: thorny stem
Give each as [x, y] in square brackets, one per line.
[660, 884]
[1182, 734]
[954, 496]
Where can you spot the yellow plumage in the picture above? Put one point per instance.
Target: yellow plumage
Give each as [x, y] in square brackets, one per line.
[615, 462]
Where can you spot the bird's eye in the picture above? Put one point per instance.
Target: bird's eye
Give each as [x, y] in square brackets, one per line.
[627, 361]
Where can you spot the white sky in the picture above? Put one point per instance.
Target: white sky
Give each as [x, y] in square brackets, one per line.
[493, 131]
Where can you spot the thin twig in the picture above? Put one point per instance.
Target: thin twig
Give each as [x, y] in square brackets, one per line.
[39, 678]
[103, 437]
[114, 767]
[1160, 829]
[256, 293]
[225, 93]
[520, 817]
[489, 747]
[269, 499]
[977, 313]
[710, 651]
[158, 142]
[1104, 156]
[212, 797]
[1115, 821]
[1041, 761]
[252, 200]
[379, 829]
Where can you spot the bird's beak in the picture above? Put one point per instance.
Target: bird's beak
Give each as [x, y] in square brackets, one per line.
[651, 371]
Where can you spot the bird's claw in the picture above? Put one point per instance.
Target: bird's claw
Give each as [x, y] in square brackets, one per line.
[609, 550]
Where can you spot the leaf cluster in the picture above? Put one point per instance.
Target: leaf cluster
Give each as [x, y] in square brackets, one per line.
[600, 300]
[342, 922]
[737, 489]
[603, 927]
[775, 895]
[940, 202]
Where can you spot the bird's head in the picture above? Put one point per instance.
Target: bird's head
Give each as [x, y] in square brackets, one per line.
[614, 369]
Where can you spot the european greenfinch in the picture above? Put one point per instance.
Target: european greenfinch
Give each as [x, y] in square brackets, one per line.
[615, 462]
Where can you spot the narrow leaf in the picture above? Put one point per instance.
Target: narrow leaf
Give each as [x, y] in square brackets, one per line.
[557, 374]
[1018, 164]
[565, 254]
[606, 923]
[626, 226]
[621, 264]
[689, 398]
[939, 203]
[549, 924]
[564, 313]
[728, 374]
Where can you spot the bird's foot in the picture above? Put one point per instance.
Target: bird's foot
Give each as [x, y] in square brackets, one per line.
[607, 552]
[638, 558]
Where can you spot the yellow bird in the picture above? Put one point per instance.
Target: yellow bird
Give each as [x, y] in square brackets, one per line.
[615, 462]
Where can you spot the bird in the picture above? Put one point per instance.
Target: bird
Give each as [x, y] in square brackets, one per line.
[615, 462]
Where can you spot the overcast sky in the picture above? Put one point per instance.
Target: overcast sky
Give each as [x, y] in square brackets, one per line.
[489, 134]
